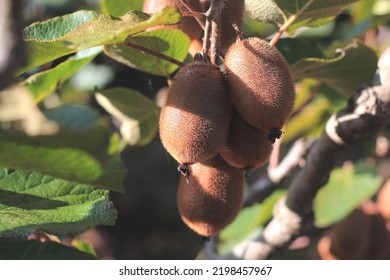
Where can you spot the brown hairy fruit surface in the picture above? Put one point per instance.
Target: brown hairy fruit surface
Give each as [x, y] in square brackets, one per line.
[380, 238]
[260, 83]
[247, 147]
[212, 198]
[228, 33]
[383, 200]
[194, 122]
[187, 24]
[351, 236]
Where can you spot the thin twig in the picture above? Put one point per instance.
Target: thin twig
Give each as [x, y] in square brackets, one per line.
[293, 159]
[275, 155]
[196, 15]
[206, 35]
[192, 12]
[155, 53]
[233, 21]
[287, 24]
[215, 40]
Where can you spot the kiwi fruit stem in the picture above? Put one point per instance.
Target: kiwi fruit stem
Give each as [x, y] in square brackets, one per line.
[235, 24]
[211, 38]
[231, 21]
[288, 23]
[192, 12]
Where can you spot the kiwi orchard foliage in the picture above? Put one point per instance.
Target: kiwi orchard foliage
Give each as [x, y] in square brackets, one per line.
[240, 98]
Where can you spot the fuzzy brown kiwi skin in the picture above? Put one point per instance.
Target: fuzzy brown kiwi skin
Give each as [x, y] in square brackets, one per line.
[247, 147]
[194, 122]
[212, 197]
[351, 236]
[187, 24]
[260, 83]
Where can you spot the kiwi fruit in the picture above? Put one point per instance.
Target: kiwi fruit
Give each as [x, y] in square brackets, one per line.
[260, 83]
[380, 238]
[212, 197]
[323, 247]
[351, 236]
[383, 200]
[247, 147]
[187, 24]
[194, 122]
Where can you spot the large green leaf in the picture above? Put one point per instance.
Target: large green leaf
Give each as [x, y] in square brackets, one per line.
[120, 7]
[82, 30]
[77, 117]
[278, 12]
[30, 201]
[169, 42]
[35, 250]
[79, 152]
[249, 221]
[310, 117]
[347, 188]
[350, 67]
[44, 83]
[139, 115]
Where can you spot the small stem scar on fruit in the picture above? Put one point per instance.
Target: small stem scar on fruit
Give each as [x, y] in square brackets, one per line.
[184, 170]
[274, 134]
[155, 53]
[287, 24]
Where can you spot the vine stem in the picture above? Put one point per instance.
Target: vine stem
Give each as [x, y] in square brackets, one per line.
[215, 39]
[275, 155]
[192, 12]
[287, 24]
[206, 35]
[155, 53]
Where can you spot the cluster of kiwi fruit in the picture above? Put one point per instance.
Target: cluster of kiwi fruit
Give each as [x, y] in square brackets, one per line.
[218, 124]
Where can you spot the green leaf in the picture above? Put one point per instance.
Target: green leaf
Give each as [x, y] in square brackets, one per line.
[84, 246]
[30, 201]
[139, 115]
[248, 221]
[279, 11]
[57, 27]
[362, 10]
[74, 117]
[79, 152]
[309, 118]
[347, 188]
[297, 49]
[44, 83]
[169, 42]
[120, 7]
[353, 66]
[49, 40]
[35, 250]
[336, 101]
